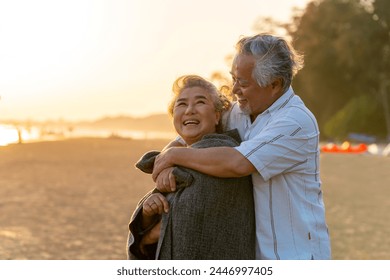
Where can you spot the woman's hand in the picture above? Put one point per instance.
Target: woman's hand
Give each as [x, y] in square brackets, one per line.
[150, 237]
[155, 204]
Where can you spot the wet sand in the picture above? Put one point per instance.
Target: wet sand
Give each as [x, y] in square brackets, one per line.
[72, 199]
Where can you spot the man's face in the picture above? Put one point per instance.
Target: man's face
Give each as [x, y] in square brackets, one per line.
[252, 98]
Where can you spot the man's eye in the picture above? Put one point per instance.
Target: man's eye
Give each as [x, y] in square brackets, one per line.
[243, 83]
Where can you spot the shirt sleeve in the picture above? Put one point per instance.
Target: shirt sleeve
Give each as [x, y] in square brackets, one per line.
[282, 146]
[180, 140]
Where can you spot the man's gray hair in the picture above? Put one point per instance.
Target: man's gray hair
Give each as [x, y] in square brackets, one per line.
[274, 58]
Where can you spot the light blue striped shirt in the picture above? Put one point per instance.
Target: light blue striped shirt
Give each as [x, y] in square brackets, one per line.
[283, 144]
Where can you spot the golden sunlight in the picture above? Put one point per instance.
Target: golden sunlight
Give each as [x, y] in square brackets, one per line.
[8, 135]
[59, 56]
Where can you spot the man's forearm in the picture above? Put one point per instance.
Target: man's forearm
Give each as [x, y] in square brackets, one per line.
[217, 161]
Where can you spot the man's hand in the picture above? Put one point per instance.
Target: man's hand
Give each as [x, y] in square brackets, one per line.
[163, 161]
[165, 181]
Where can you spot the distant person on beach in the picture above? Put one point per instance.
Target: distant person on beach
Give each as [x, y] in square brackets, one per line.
[280, 150]
[206, 217]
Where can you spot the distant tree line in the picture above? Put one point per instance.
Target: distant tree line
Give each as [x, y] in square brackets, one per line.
[346, 78]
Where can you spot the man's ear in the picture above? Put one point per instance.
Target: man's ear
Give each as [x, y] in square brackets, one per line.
[277, 84]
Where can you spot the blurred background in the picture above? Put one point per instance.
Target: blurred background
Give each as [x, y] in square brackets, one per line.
[73, 68]
[64, 62]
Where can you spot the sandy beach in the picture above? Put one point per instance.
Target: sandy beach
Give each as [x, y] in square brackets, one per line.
[72, 199]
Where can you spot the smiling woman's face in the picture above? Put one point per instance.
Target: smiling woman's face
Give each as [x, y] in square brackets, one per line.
[194, 114]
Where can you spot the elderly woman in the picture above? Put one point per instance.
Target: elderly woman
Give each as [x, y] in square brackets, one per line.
[207, 217]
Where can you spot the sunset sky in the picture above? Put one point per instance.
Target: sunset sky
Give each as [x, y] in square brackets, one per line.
[80, 59]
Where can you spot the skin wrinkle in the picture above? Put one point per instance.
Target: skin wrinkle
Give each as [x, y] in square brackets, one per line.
[194, 104]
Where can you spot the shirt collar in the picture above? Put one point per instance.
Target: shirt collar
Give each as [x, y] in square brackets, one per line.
[281, 102]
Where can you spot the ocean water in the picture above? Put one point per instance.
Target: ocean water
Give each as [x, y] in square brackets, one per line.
[10, 134]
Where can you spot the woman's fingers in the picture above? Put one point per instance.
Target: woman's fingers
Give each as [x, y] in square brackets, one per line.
[155, 204]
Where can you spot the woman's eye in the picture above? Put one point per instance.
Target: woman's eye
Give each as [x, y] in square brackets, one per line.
[180, 104]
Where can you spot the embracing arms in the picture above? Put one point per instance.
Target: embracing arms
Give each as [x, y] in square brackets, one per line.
[216, 161]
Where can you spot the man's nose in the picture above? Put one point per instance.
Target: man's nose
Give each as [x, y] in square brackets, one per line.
[235, 88]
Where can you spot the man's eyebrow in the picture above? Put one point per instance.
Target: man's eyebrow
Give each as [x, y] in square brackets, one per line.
[242, 80]
[239, 79]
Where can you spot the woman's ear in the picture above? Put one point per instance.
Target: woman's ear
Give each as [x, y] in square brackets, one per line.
[217, 117]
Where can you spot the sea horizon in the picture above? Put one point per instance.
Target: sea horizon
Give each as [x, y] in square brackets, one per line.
[13, 134]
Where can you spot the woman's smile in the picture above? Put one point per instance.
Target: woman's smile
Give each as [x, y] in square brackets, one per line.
[194, 114]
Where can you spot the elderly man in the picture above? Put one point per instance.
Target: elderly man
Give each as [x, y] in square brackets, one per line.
[280, 151]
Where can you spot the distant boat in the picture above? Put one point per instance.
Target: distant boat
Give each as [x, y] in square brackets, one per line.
[346, 147]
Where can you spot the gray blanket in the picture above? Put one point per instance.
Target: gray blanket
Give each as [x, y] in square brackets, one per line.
[210, 218]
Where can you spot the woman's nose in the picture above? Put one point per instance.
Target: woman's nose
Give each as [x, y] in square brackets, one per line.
[190, 109]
